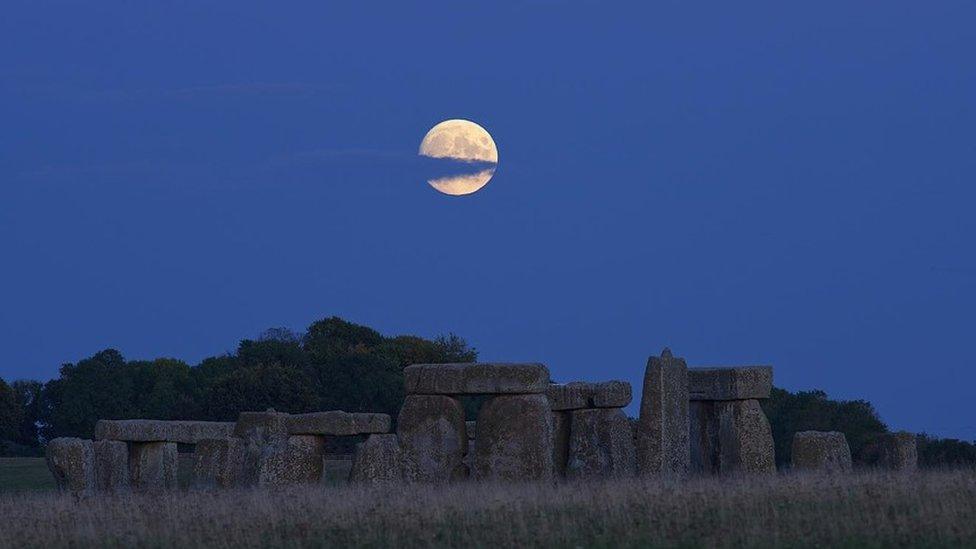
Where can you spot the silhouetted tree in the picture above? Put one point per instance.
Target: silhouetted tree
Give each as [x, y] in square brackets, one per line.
[945, 452]
[96, 388]
[813, 411]
[28, 395]
[11, 413]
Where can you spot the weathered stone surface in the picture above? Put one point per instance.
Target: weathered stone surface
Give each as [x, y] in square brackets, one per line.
[469, 428]
[377, 461]
[729, 437]
[219, 462]
[662, 429]
[261, 427]
[149, 430]
[336, 470]
[899, 451]
[561, 423]
[515, 439]
[338, 423]
[821, 451]
[735, 383]
[152, 465]
[578, 395]
[294, 460]
[568, 396]
[601, 445]
[72, 462]
[111, 465]
[612, 394]
[475, 378]
[433, 438]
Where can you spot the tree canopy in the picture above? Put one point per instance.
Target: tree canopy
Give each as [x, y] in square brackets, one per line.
[334, 365]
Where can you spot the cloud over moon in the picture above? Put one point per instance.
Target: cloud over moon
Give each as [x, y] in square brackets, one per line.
[458, 185]
[462, 141]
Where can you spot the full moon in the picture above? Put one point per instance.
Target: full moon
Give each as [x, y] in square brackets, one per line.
[463, 141]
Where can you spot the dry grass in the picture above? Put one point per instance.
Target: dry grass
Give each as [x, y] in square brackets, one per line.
[863, 510]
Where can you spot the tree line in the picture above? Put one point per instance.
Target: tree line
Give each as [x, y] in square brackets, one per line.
[336, 365]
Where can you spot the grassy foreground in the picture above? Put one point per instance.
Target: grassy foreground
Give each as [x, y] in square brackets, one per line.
[862, 510]
[24, 474]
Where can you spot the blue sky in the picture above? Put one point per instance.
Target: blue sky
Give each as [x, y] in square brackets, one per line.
[760, 183]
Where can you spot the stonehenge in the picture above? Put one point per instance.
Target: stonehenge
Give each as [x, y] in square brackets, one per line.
[899, 452]
[692, 421]
[729, 432]
[432, 434]
[662, 427]
[72, 462]
[825, 451]
[513, 431]
[601, 445]
[513, 440]
[592, 436]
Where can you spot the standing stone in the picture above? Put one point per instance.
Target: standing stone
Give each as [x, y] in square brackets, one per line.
[219, 462]
[431, 431]
[662, 430]
[601, 445]
[72, 462]
[152, 465]
[514, 439]
[821, 451]
[294, 460]
[560, 442]
[264, 434]
[111, 465]
[377, 461]
[899, 451]
[731, 436]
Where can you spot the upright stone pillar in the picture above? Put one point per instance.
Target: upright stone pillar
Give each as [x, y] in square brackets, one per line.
[377, 461]
[219, 462]
[662, 429]
[72, 462]
[152, 465]
[728, 430]
[601, 445]
[431, 431]
[298, 459]
[514, 439]
[821, 451]
[111, 465]
[561, 428]
[899, 451]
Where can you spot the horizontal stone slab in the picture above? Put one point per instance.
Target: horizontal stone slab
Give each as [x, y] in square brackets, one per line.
[151, 430]
[338, 423]
[476, 378]
[578, 395]
[733, 383]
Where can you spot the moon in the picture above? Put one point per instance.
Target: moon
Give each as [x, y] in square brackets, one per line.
[462, 141]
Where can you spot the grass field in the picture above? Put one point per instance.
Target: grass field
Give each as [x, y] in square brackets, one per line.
[935, 509]
[24, 474]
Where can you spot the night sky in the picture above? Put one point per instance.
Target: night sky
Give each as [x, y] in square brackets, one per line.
[778, 183]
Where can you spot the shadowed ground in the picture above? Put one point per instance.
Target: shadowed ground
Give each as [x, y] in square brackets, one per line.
[866, 509]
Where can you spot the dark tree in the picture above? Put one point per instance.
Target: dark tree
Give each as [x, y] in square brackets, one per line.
[813, 411]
